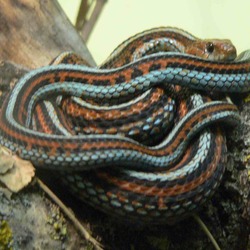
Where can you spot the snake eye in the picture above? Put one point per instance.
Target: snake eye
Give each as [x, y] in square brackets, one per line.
[210, 47]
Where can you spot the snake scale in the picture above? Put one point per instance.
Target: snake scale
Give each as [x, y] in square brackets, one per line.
[140, 136]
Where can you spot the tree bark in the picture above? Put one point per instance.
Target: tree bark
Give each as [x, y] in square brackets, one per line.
[32, 33]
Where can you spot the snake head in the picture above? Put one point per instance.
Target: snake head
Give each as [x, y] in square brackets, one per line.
[213, 49]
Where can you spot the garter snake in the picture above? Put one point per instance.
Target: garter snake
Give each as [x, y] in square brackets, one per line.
[152, 183]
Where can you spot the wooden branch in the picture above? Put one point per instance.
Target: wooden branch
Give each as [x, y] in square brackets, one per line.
[34, 32]
[86, 26]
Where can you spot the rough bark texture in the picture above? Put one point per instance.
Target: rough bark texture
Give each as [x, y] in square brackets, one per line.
[34, 32]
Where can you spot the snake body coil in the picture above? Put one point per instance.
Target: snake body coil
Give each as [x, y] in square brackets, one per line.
[111, 131]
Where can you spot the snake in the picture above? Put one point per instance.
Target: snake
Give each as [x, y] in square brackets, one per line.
[111, 171]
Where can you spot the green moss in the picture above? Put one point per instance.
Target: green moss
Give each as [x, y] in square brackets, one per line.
[58, 223]
[5, 236]
[89, 246]
[247, 99]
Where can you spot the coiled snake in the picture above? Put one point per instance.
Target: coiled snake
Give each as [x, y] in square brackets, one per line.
[134, 137]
